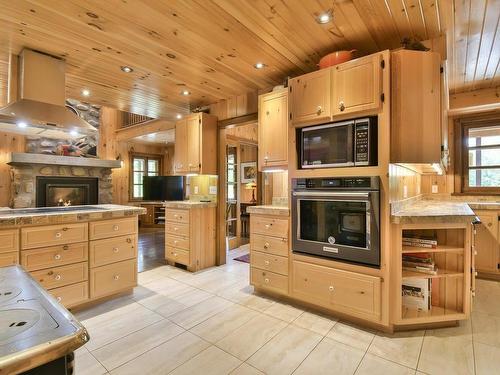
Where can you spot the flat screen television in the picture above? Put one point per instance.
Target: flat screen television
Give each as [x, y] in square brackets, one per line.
[163, 188]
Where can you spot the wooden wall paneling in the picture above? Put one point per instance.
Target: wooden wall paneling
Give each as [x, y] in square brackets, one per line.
[477, 101]
[152, 126]
[244, 132]
[8, 143]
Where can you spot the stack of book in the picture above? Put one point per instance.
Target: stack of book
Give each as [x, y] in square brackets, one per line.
[419, 262]
[426, 242]
[421, 294]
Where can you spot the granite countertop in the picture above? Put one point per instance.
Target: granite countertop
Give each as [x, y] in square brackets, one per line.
[269, 210]
[483, 205]
[27, 216]
[433, 211]
[189, 204]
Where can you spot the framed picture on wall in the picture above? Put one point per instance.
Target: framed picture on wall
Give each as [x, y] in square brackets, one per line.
[248, 172]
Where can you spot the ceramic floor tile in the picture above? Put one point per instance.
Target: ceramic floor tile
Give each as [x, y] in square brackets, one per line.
[247, 339]
[284, 312]
[373, 365]
[328, 355]
[165, 357]
[135, 344]
[351, 335]
[486, 328]
[148, 276]
[86, 364]
[245, 296]
[105, 308]
[192, 297]
[446, 354]
[487, 359]
[211, 361]
[246, 369]
[285, 351]
[200, 312]
[112, 327]
[170, 308]
[315, 322]
[402, 347]
[223, 323]
[154, 301]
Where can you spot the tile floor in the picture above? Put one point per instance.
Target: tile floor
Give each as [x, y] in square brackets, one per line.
[211, 323]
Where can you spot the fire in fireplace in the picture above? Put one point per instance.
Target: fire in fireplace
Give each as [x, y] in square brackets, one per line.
[66, 191]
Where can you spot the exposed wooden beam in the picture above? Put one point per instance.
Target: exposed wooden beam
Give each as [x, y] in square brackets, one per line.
[484, 100]
[145, 128]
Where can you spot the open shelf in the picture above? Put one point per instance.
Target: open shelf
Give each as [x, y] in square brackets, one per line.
[433, 312]
[440, 273]
[438, 249]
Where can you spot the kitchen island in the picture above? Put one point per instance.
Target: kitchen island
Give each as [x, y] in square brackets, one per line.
[80, 254]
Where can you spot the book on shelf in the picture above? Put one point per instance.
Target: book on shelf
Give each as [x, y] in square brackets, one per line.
[419, 262]
[419, 244]
[421, 239]
[416, 294]
[421, 270]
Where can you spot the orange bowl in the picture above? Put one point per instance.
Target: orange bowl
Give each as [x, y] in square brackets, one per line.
[335, 58]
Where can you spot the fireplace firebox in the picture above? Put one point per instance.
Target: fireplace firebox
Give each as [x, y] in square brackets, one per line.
[66, 191]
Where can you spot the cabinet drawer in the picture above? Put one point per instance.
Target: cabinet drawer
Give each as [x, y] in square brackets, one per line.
[177, 255]
[269, 280]
[176, 241]
[178, 229]
[54, 256]
[8, 259]
[112, 250]
[53, 235]
[343, 290]
[269, 262]
[61, 276]
[269, 226]
[113, 278]
[9, 240]
[71, 295]
[270, 245]
[177, 215]
[113, 228]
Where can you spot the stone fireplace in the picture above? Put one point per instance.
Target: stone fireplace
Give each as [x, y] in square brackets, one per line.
[43, 180]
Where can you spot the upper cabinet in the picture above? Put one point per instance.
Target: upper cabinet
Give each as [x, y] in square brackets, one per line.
[273, 129]
[349, 88]
[357, 85]
[196, 145]
[416, 120]
[311, 97]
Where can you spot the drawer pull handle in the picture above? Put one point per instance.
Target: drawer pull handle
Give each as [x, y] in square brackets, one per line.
[268, 226]
[319, 110]
[266, 263]
[116, 277]
[176, 216]
[475, 273]
[176, 229]
[490, 224]
[266, 280]
[65, 229]
[341, 106]
[57, 256]
[116, 227]
[330, 288]
[58, 234]
[129, 240]
[266, 245]
[57, 277]
[65, 247]
[59, 299]
[115, 250]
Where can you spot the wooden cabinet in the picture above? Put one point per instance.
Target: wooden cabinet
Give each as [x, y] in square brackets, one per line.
[60, 276]
[487, 243]
[112, 228]
[196, 145]
[54, 256]
[154, 216]
[113, 278]
[71, 295]
[9, 247]
[273, 129]
[310, 96]
[112, 250]
[416, 134]
[51, 235]
[190, 236]
[357, 85]
[9, 259]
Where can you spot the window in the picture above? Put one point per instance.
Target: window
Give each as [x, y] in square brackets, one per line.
[481, 156]
[141, 166]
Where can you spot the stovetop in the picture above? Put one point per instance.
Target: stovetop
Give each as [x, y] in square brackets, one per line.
[49, 210]
[33, 325]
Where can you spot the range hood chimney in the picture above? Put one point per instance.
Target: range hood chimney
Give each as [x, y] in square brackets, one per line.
[39, 105]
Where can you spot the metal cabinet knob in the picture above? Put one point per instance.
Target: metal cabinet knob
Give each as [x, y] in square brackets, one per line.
[115, 250]
[65, 247]
[266, 280]
[57, 277]
[59, 299]
[176, 229]
[319, 110]
[58, 234]
[266, 263]
[268, 226]
[57, 256]
[490, 224]
[116, 227]
[341, 106]
[330, 288]
[116, 277]
[129, 240]
[266, 245]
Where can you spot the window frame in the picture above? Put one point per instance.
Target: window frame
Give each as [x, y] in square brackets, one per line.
[146, 157]
[462, 127]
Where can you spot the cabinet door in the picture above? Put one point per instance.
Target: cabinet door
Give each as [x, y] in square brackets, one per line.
[181, 142]
[357, 85]
[147, 218]
[311, 97]
[193, 143]
[273, 129]
[487, 242]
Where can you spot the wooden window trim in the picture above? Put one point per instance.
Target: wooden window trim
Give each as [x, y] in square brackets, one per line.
[461, 159]
[133, 155]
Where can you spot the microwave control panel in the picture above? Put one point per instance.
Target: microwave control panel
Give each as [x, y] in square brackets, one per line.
[362, 141]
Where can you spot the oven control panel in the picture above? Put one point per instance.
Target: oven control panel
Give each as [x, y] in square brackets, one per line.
[337, 183]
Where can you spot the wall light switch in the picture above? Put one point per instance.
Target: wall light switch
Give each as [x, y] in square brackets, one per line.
[435, 189]
[405, 191]
[212, 189]
[196, 190]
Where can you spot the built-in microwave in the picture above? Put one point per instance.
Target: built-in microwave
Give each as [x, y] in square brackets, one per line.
[339, 144]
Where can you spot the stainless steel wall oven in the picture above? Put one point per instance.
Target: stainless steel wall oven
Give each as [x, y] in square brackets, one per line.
[337, 218]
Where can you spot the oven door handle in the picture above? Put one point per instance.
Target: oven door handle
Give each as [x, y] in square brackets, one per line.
[330, 194]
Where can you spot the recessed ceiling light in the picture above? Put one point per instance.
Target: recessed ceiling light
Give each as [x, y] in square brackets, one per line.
[178, 116]
[185, 92]
[126, 69]
[325, 17]
[85, 92]
[259, 65]
[22, 124]
[152, 135]
[73, 133]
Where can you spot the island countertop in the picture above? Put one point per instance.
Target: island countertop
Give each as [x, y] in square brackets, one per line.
[433, 211]
[189, 204]
[58, 215]
[269, 210]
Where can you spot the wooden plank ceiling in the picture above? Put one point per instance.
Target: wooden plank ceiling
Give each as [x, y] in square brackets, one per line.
[209, 47]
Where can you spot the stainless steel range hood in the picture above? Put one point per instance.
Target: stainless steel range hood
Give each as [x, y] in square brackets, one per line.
[38, 103]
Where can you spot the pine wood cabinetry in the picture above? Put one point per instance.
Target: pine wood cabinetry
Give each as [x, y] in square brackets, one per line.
[9, 247]
[190, 237]
[357, 85]
[487, 243]
[196, 144]
[154, 216]
[416, 127]
[269, 260]
[273, 129]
